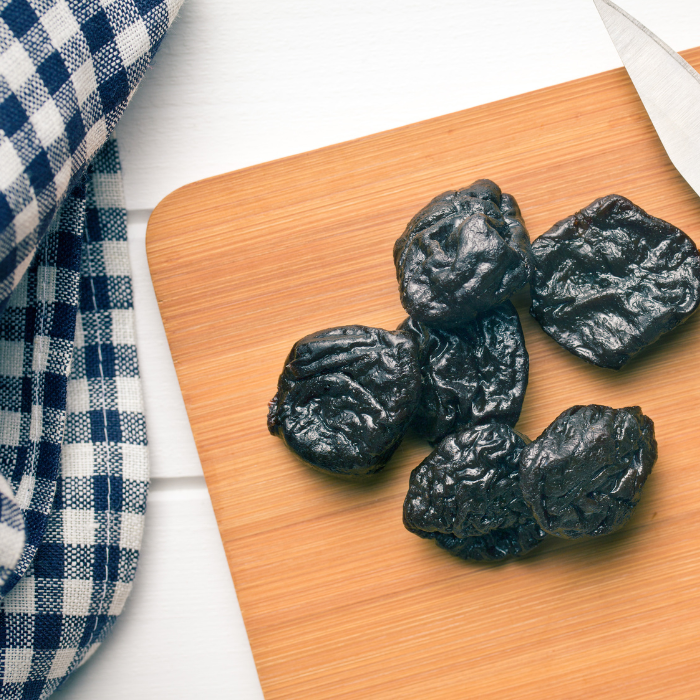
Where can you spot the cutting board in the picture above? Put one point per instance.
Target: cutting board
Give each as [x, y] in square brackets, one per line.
[338, 599]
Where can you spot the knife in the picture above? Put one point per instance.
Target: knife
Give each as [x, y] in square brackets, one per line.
[668, 86]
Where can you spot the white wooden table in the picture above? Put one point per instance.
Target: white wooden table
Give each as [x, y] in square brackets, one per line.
[239, 82]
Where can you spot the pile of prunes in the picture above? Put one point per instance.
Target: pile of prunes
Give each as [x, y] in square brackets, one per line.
[604, 283]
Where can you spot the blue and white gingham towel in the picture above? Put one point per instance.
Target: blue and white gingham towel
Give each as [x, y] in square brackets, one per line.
[67, 71]
[76, 583]
[73, 460]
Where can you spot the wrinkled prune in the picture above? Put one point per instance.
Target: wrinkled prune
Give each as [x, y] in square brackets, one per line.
[345, 398]
[463, 253]
[584, 474]
[472, 375]
[611, 279]
[466, 495]
[493, 545]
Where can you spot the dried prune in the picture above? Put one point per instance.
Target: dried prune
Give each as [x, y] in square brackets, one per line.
[466, 495]
[584, 474]
[611, 279]
[345, 398]
[464, 252]
[471, 375]
[493, 545]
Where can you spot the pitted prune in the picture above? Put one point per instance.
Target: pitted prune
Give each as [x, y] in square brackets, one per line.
[611, 279]
[472, 375]
[584, 474]
[493, 545]
[466, 495]
[345, 398]
[462, 254]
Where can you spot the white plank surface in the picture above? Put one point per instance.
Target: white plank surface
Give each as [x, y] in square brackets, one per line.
[242, 82]
[238, 83]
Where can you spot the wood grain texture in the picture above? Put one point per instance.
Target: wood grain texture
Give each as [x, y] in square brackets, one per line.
[339, 600]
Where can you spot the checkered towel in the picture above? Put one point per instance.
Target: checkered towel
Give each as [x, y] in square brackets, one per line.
[76, 576]
[67, 71]
[73, 461]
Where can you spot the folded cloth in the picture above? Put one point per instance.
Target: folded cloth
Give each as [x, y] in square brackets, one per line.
[67, 71]
[37, 330]
[83, 569]
[12, 535]
[71, 507]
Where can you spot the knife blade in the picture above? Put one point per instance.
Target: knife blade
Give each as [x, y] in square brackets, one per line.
[668, 86]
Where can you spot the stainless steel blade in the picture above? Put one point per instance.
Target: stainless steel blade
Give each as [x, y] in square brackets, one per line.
[667, 85]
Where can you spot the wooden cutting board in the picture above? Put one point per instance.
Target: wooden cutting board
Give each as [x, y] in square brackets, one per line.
[338, 599]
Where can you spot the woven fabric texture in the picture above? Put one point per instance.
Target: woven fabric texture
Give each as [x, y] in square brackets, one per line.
[67, 71]
[82, 573]
[12, 533]
[73, 460]
[37, 330]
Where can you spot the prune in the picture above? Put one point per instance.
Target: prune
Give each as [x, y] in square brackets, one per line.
[493, 545]
[466, 251]
[466, 495]
[584, 474]
[345, 398]
[611, 279]
[475, 374]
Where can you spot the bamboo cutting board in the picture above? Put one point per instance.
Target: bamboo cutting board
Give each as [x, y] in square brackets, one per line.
[338, 599]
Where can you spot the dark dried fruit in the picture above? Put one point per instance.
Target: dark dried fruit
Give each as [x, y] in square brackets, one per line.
[472, 375]
[466, 495]
[345, 398]
[611, 279]
[584, 474]
[494, 545]
[462, 254]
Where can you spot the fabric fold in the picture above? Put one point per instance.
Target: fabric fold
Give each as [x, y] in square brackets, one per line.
[12, 531]
[79, 580]
[68, 68]
[36, 345]
[73, 460]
